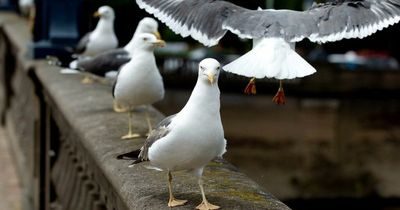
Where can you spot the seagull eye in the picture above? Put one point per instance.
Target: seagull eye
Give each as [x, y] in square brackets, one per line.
[218, 68]
[202, 68]
[145, 39]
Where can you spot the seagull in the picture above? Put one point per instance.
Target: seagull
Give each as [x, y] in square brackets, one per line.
[102, 38]
[112, 60]
[274, 32]
[27, 9]
[191, 138]
[25, 6]
[139, 81]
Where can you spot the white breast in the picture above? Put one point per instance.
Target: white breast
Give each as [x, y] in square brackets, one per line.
[190, 151]
[99, 43]
[196, 135]
[139, 82]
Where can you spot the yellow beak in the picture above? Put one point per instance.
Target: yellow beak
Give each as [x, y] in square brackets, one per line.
[157, 34]
[211, 78]
[159, 43]
[97, 14]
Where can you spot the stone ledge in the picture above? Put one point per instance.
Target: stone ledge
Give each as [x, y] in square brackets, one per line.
[87, 109]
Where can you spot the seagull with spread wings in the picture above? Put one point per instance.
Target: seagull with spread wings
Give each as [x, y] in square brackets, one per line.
[274, 32]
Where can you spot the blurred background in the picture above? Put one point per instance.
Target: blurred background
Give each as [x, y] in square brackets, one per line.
[334, 145]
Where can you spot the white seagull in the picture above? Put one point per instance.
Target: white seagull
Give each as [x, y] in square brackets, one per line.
[102, 38]
[274, 32]
[139, 81]
[190, 139]
[111, 60]
[25, 6]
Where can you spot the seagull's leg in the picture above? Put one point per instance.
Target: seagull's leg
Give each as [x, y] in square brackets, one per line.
[130, 134]
[118, 107]
[279, 98]
[173, 202]
[205, 205]
[148, 121]
[100, 80]
[251, 87]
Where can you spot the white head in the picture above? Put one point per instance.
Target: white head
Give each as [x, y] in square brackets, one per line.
[148, 41]
[209, 69]
[25, 3]
[148, 25]
[105, 12]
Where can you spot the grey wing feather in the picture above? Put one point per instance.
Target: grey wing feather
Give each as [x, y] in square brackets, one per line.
[161, 130]
[208, 20]
[81, 46]
[108, 61]
[352, 19]
[201, 19]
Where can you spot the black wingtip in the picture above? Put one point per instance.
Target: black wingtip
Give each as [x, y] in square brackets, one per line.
[129, 156]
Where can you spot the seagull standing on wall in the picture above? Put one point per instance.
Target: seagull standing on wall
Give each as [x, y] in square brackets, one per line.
[139, 81]
[274, 32]
[101, 39]
[25, 6]
[112, 60]
[190, 139]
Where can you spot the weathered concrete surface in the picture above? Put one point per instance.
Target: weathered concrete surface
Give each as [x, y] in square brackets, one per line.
[14, 49]
[7, 17]
[87, 109]
[10, 192]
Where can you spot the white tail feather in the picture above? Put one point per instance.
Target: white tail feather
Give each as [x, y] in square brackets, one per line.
[272, 58]
[69, 71]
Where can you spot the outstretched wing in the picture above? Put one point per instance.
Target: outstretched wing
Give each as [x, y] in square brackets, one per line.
[161, 130]
[200, 19]
[208, 20]
[351, 19]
